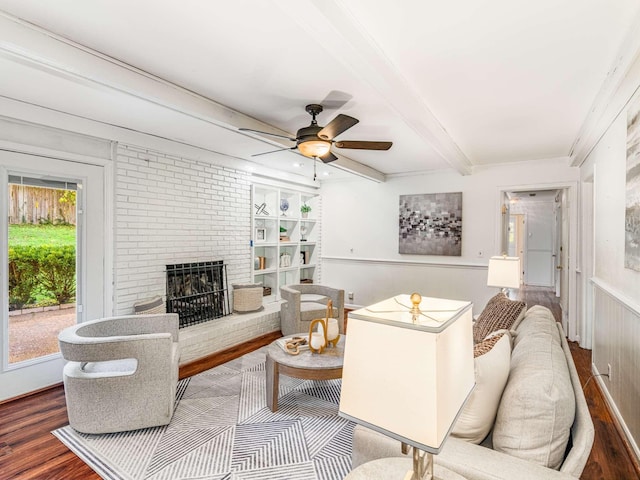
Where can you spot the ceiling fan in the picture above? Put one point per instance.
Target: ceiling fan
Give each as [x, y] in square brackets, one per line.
[315, 141]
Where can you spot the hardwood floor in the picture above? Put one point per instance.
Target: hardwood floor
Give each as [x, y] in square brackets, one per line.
[28, 450]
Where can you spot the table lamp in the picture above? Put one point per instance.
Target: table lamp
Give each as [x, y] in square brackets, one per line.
[504, 272]
[408, 370]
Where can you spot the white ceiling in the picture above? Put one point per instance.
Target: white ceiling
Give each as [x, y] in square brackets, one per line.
[453, 84]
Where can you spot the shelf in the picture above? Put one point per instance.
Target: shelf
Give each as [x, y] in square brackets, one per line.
[289, 269]
[266, 233]
[264, 271]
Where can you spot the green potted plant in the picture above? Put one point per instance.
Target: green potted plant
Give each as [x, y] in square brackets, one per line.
[283, 235]
[305, 209]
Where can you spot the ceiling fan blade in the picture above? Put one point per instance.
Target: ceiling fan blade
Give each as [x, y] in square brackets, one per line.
[266, 133]
[274, 151]
[336, 126]
[328, 157]
[364, 145]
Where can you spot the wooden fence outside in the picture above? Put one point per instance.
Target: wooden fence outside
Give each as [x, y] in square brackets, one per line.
[37, 205]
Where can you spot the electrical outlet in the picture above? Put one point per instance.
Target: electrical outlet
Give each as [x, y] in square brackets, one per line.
[350, 295]
[609, 371]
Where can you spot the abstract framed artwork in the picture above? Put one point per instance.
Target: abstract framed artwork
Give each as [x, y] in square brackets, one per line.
[632, 192]
[431, 224]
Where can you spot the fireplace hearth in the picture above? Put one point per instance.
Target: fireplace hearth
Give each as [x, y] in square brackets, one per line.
[197, 292]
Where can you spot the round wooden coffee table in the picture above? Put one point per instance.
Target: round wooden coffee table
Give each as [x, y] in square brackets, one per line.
[306, 365]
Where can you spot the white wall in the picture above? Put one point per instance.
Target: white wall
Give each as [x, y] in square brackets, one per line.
[360, 239]
[616, 329]
[172, 210]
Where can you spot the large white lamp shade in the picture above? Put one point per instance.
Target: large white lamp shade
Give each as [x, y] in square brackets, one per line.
[504, 272]
[407, 379]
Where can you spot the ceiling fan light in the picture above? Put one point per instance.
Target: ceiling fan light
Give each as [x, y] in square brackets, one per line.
[314, 148]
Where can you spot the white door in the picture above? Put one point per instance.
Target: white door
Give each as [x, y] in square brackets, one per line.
[18, 378]
[557, 247]
[516, 240]
[563, 264]
[539, 245]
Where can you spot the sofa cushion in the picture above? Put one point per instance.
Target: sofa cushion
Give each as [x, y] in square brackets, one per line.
[538, 319]
[500, 313]
[538, 404]
[491, 361]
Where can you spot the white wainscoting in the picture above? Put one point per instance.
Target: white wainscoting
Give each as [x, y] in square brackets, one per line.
[373, 280]
[616, 342]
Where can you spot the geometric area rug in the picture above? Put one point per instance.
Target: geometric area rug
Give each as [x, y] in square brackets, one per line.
[223, 430]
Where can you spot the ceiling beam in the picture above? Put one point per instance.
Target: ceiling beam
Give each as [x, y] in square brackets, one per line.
[28, 44]
[617, 90]
[344, 37]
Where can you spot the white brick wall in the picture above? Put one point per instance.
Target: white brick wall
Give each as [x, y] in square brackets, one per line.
[175, 210]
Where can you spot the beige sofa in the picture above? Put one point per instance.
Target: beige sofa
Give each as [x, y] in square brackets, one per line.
[527, 440]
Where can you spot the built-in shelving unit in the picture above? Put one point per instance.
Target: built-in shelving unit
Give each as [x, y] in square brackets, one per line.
[285, 240]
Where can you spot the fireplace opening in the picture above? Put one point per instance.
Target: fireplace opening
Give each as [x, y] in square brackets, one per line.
[197, 292]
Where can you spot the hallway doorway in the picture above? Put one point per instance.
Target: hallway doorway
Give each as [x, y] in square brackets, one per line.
[549, 241]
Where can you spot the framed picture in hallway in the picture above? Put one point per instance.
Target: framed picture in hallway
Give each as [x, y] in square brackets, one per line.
[632, 193]
[431, 224]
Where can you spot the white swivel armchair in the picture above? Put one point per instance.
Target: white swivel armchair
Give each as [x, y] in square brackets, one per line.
[306, 302]
[122, 372]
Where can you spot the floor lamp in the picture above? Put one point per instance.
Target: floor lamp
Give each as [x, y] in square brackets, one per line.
[408, 371]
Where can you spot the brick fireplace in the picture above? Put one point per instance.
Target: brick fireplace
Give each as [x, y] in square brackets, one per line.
[197, 292]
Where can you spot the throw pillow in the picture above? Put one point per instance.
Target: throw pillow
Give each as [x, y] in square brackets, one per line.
[492, 358]
[500, 313]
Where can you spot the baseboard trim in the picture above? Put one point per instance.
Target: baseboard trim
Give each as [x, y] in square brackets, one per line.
[218, 358]
[33, 392]
[618, 422]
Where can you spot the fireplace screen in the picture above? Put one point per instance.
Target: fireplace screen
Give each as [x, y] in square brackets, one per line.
[197, 292]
